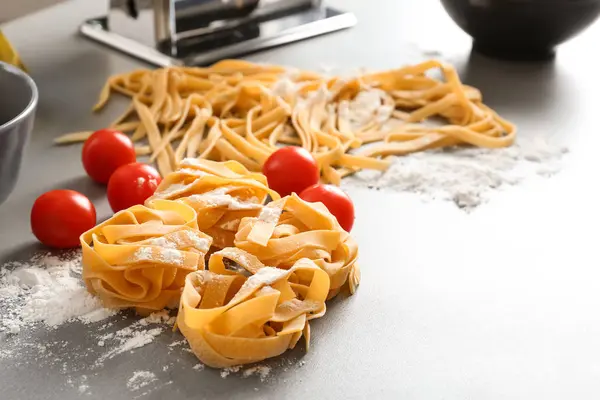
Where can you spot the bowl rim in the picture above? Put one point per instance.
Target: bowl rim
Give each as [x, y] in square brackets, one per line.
[32, 102]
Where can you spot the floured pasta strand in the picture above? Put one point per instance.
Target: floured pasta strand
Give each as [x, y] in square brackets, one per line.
[221, 193]
[140, 257]
[230, 319]
[237, 110]
[291, 229]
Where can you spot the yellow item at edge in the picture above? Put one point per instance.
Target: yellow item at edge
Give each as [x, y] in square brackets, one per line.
[8, 54]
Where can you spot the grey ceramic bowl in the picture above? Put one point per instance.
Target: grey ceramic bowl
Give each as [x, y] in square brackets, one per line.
[18, 102]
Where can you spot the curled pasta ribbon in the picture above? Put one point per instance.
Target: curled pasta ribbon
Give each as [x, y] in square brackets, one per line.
[141, 256]
[221, 193]
[290, 229]
[234, 316]
[237, 110]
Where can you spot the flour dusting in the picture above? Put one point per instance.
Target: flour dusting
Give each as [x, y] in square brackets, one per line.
[466, 176]
[139, 379]
[41, 295]
[261, 370]
[46, 289]
[134, 336]
[83, 388]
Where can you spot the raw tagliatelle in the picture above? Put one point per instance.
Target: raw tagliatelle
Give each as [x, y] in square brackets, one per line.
[252, 312]
[291, 229]
[271, 270]
[140, 257]
[236, 110]
[221, 193]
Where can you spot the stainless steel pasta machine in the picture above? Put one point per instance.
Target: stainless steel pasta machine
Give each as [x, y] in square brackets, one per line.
[199, 32]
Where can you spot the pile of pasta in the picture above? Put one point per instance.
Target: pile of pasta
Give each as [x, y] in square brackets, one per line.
[271, 267]
[222, 194]
[241, 111]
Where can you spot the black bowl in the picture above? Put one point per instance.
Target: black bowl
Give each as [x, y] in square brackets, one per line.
[521, 29]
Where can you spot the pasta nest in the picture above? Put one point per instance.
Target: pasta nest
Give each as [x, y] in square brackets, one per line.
[141, 256]
[221, 193]
[290, 229]
[239, 311]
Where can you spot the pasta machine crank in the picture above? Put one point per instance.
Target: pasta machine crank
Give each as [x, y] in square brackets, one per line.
[200, 32]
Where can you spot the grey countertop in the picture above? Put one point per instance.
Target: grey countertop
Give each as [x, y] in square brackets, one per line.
[501, 303]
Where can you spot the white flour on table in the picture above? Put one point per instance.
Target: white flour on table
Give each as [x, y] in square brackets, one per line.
[44, 294]
[139, 379]
[466, 176]
[46, 289]
[134, 336]
[261, 370]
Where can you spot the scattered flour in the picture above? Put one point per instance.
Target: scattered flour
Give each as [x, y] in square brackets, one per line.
[134, 336]
[164, 254]
[47, 292]
[97, 315]
[270, 215]
[230, 225]
[130, 341]
[140, 379]
[366, 106]
[264, 277]
[466, 176]
[177, 343]
[172, 256]
[190, 171]
[173, 190]
[220, 198]
[260, 370]
[198, 367]
[46, 289]
[181, 240]
[83, 389]
[226, 371]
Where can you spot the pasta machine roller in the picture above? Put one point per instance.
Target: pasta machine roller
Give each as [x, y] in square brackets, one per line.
[199, 32]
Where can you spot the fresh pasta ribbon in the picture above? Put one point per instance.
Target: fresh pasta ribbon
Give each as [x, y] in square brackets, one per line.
[236, 310]
[249, 312]
[221, 194]
[290, 229]
[141, 256]
[237, 110]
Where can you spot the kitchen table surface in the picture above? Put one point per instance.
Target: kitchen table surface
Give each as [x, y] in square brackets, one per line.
[499, 303]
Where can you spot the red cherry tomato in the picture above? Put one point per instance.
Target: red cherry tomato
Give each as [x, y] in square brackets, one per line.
[335, 199]
[59, 217]
[131, 184]
[291, 169]
[104, 152]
